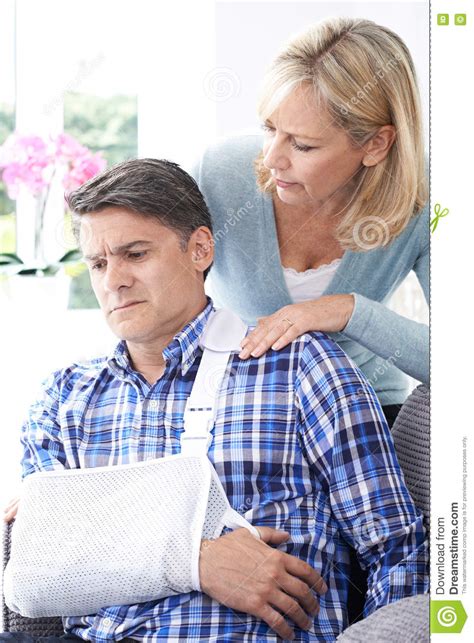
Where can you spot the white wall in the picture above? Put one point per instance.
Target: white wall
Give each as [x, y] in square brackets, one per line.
[200, 77]
[249, 35]
[36, 341]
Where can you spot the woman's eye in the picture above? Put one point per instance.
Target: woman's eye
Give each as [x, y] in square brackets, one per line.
[267, 128]
[302, 148]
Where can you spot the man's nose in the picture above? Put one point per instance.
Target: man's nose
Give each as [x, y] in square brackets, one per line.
[116, 276]
[274, 155]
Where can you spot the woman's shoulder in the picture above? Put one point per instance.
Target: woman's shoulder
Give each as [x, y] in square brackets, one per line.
[423, 223]
[229, 159]
[226, 176]
[418, 229]
[372, 269]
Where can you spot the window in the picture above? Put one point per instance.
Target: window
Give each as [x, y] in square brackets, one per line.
[7, 116]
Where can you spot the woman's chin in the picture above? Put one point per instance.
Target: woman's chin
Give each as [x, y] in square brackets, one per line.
[291, 196]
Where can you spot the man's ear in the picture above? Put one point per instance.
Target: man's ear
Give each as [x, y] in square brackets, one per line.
[201, 245]
[379, 145]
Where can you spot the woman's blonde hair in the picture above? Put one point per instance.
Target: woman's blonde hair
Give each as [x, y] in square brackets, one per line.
[363, 74]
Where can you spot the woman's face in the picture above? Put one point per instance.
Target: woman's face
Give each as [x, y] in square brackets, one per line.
[311, 160]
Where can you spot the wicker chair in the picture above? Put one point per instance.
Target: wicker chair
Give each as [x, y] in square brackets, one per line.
[13, 622]
[403, 622]
[406, 621]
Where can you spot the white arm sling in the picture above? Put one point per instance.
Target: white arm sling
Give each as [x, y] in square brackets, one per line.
[85, 539]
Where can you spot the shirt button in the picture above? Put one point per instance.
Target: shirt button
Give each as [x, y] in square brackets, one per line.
[107, 622]
[153, 404]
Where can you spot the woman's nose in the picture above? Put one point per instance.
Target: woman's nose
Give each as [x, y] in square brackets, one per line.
[274, 155]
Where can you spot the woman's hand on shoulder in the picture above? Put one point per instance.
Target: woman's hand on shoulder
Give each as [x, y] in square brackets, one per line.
[329, 313]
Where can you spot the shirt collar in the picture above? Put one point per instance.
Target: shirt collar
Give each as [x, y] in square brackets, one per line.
[183, 348]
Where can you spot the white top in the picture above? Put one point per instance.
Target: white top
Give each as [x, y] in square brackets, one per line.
[310, 284]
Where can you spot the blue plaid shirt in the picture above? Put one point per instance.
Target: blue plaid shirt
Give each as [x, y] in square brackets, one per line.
[299, 443]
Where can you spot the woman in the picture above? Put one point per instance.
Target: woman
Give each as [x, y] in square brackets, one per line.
[333, 221]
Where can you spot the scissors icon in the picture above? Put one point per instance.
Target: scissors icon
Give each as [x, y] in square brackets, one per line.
[439, 214]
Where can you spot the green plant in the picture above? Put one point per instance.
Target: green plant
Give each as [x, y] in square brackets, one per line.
[11, 263]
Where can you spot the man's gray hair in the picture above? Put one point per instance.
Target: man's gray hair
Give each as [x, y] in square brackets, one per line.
[149, 187]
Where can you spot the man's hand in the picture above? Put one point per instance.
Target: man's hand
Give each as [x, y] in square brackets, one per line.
[248, 575]
[10, 510]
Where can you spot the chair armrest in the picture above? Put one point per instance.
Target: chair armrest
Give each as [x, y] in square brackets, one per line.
[406, 621]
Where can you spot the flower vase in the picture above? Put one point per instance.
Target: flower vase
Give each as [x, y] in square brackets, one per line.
[35, 295]
[29, 221]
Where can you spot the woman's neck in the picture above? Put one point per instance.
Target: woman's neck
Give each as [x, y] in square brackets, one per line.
[305, 239]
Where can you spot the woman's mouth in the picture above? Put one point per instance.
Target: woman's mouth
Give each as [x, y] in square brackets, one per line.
[284, 184]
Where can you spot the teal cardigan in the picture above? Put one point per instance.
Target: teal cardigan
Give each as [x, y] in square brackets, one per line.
[247, 275]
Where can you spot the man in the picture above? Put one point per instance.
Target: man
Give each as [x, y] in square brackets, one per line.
[299, 442]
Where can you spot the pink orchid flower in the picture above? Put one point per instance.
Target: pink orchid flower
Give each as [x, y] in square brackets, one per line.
[31, 161]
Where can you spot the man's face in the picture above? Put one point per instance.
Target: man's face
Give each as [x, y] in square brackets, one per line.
[146, 284]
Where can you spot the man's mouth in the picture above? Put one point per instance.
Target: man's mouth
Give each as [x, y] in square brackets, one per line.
[128, 304]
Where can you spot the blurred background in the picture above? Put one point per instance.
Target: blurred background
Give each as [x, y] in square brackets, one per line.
[124, 80]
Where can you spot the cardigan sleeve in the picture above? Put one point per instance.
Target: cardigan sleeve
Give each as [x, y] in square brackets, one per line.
[387, 333]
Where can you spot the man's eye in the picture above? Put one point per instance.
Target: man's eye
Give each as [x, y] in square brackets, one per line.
[137, 255]
[97, 265]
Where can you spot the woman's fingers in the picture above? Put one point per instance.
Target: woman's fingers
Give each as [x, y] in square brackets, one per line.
[289, 336]
[263, 324]
[273, 331]
[329, 313]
